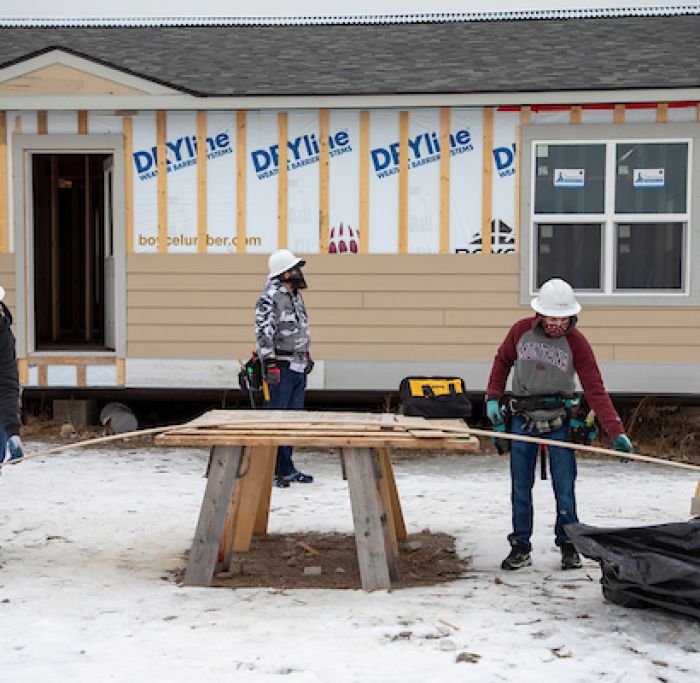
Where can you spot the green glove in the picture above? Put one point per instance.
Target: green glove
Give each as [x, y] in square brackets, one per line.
[622, 443]
[493, 411]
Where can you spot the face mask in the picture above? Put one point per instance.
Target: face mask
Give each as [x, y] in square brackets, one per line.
[296, 279]
[555, 331]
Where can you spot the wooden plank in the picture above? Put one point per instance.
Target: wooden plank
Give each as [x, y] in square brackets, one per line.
[364, 182]
[162, 182]
[387, 471]
[662, 112]
[4, 207]
[72, 360]
[487, 181]
[83, 122]
[252, 486]
[202, 182]
[323, 172]
[127, 128]
[261, 520]
[576, 114]
[225, 462]
[241, 198]
[42, 124]
[81, 376]
[403, 182]
[525, 118]
[23, 371]
[369, 538]
[388, 524]
[282, 198]
[445, 115]
[41, 376]
[619, 116]
[229, 530]
[121, 372]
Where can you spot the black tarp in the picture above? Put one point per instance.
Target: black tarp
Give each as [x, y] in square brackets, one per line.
[648, 566]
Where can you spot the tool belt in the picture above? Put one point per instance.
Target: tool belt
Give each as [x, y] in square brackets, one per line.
[544, 413]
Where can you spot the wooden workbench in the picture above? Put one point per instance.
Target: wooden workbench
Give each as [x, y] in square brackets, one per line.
[244, 443]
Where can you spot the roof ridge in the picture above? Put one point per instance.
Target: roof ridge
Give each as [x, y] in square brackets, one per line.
[431, 17]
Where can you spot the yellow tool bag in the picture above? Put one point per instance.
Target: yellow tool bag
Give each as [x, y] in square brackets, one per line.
[439, 397]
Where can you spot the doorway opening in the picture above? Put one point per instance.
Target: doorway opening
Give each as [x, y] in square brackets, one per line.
[73, 252]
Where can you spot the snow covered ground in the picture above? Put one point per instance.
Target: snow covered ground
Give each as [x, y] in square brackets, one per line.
[87, 539]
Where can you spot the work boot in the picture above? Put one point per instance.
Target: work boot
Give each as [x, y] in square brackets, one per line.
[300, 477]
[570, 559]
[518, 558]
[281, 482]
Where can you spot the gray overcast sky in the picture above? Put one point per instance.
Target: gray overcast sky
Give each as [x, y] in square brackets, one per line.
[141, 8]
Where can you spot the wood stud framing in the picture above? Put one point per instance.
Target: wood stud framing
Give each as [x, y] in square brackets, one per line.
[162, 183]
[445, 180]
[201, 182]
[282, 182]
[4, 207]
[403, 182]
[487, 186]
[241, 181]
[619, 113]
[364, 181]
[576, 114]
[127, 128]
[323, 172]
[662, 112]
[82, 122]
[525, 118]
[42, 124]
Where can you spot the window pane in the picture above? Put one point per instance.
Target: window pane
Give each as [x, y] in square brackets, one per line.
[570, 251]
[569, 178]
[651, 178]
[650, 255]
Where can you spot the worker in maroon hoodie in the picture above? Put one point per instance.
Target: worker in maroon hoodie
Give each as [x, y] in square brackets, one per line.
[546, 352]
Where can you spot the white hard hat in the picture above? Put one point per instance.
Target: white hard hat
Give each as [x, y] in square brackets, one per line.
[2, 293]
[281, 261]
[556, 299]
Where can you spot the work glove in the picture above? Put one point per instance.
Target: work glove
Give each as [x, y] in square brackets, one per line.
[272, 373]
[14, 448]
[493, 411]
[309, 365]
[622, 443]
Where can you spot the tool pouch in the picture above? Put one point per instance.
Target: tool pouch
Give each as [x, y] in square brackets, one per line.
[581, 432]
[436, 397]
[251, 376]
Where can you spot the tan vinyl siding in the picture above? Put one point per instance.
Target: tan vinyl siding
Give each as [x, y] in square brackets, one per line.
[373, 307]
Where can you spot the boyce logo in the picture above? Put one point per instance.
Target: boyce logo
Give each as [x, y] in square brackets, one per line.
[422, 149]
[301, 151]
[505, 160]
[179, 154]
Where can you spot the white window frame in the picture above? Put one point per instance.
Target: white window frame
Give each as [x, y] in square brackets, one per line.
[611, 136]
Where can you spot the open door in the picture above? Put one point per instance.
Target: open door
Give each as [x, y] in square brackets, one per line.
[109, 264]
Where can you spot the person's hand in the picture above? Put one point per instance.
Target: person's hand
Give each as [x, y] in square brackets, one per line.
[309, 365]
[622, 443]
[272, 373]
[14, 447]
[493, 411]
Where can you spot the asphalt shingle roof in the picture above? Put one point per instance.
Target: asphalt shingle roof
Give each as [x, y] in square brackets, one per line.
[515, 56]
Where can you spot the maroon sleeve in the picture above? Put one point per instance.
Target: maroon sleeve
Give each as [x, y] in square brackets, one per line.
[505, 357]
[587, 370]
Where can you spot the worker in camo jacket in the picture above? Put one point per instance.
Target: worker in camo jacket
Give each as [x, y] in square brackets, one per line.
[546, 352]
[282, 339]
[10, 441]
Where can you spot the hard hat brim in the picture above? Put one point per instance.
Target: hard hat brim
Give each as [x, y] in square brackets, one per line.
[574, 309]
[299, 263]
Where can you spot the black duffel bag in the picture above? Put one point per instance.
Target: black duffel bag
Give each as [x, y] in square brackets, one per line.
[436, 397]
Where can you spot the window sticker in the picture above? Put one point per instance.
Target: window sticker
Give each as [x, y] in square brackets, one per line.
[569, 177]
[648, 177]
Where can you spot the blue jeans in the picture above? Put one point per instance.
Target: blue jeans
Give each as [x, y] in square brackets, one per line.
[3, 445]
[562, 467]
[287, 395]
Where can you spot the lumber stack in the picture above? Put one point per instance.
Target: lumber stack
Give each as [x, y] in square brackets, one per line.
[324, 429]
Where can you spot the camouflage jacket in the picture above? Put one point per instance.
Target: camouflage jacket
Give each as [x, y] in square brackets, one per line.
[282, 326]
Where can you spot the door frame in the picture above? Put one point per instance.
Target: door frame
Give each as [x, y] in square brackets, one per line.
[25, 146]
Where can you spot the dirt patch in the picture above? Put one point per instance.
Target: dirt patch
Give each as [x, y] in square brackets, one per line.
[316, 560]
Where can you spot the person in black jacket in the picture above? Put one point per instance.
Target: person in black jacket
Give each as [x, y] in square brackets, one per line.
[10, 439]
